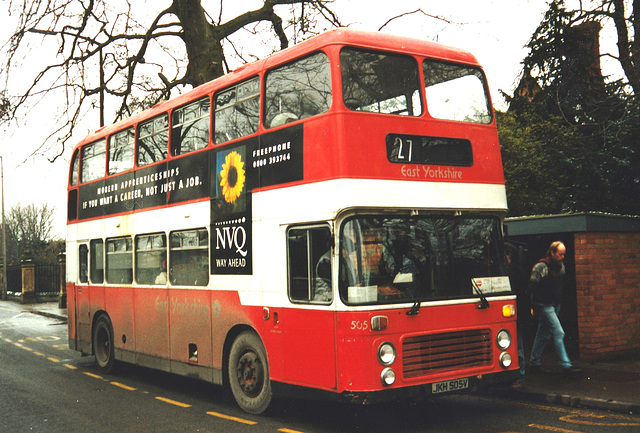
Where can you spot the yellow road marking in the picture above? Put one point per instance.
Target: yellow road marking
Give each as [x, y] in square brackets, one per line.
[173, 402]
[572, 419]
[232, 418]
[47, 338]
[286, 430]
[53, 359]
[576, 412]
[123, 386]
[95, 376]
[556, 429]
[27, 348]
[569, 411]
[38, 353]
[72, 367]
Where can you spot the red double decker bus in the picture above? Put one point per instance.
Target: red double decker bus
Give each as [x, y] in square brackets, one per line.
[328, 218]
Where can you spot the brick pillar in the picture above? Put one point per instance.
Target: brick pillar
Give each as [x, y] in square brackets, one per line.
[607, 286]
[28, 281]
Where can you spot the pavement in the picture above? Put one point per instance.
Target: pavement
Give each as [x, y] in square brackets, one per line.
[611, 385]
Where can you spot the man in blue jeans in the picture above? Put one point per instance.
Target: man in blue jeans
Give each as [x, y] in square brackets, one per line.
[546, 286]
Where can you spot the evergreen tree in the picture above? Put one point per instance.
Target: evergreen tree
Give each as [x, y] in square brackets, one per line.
[570, 140]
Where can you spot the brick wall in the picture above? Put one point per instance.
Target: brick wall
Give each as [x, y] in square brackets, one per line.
[608, 293]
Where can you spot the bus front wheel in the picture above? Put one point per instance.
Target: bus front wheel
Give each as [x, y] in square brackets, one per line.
[103, 344]
[249, 373]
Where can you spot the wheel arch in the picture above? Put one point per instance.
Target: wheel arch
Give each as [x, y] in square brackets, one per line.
[228, 342]
[97, 316]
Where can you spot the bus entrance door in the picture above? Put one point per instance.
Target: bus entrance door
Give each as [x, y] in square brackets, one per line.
[83, 318]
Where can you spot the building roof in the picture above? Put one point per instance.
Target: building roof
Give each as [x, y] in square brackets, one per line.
[571, 223]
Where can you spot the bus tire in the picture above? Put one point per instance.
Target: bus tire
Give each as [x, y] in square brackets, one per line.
[103, 344]
[248, 371]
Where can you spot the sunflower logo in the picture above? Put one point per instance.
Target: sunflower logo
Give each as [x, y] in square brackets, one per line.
[232, 177]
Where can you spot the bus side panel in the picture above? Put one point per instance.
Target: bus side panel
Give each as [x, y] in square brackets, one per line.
[321, 152]
[227, 312]
[119, 304]
[151, 316]
[190, 318]
[309, 347]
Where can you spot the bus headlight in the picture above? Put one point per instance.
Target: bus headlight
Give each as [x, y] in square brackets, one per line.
[386, 354]
[388, 376]
[505, 360]
[503, 339]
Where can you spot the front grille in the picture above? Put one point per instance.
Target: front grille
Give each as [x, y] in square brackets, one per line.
[434, 353]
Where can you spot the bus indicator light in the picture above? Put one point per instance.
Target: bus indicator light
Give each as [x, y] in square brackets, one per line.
[508, 310]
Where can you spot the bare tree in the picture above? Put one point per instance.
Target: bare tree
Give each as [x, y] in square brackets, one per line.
[624, 17]
[29, 229]
[134, 57]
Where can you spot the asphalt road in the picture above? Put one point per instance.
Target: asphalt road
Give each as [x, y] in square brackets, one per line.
[46, 387]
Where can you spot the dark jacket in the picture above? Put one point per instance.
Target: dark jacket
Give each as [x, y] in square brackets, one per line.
[546, 284]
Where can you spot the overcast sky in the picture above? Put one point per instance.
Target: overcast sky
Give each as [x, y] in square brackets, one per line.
[495, 31]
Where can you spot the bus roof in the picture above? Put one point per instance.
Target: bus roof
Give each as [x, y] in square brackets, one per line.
[340, 36]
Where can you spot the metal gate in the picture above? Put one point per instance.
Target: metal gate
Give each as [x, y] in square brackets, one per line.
[47, 279]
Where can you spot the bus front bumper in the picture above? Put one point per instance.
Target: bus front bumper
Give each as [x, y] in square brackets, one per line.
[431, 390]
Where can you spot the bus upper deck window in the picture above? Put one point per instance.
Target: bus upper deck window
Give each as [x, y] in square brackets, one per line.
[380, 82]
[121, 147]
[153, 140]
[298, 90]
[190, 127]
[456, 92]
[93, 160]
[75, 164]
[237, 111]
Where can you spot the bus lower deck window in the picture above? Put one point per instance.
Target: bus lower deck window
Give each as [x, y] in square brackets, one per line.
[189, 258]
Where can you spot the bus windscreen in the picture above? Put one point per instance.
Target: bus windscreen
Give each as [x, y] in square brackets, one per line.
[399, 260]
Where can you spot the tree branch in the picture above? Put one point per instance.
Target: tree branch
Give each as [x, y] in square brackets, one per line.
[417, 11]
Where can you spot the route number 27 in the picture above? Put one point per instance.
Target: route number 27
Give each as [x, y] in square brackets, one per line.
[405, 148]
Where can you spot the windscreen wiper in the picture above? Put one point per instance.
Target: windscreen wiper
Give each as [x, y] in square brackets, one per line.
[415, 309]
[484, 304]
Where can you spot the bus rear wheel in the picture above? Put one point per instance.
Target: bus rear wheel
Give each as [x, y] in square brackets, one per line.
[103, 344]
[249, 373]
